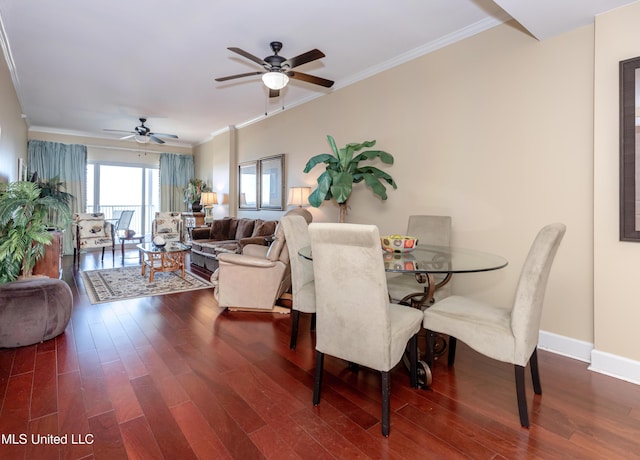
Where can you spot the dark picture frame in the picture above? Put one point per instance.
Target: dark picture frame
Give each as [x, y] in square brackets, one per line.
[629, 150]
[272, 183]
[248, 185]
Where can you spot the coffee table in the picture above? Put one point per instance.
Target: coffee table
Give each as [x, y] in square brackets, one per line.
[168, 258]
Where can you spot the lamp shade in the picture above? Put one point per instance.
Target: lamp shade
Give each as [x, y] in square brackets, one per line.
[208, 198]
[275, 80]
[142, 139]
[299, 196]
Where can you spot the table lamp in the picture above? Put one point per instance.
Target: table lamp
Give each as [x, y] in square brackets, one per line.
[299, 196]
[207, 200]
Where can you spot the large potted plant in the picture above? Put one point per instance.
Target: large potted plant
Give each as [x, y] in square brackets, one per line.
[343, 169]
[193, 193]
[24, 220]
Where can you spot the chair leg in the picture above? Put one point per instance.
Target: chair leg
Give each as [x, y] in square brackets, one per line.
[522, 396]
[294, 329]
[413, 360]
[431, 343]
[102, 254]
[313, 322]
[451, 357]
[386, 402]
[535, 374]
[317, 383]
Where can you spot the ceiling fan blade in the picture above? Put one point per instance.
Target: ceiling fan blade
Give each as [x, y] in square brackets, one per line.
[240, 75]
[127, 137]
[156, 139]
[311, 79]
[172, 136]
[249, 56]
[274, 92]
[304, 58]
[119, 131]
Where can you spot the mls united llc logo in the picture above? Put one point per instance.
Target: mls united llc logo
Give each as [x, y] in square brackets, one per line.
[24, 438]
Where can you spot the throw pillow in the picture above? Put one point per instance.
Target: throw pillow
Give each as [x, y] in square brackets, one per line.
[264, 228]
[220, 229]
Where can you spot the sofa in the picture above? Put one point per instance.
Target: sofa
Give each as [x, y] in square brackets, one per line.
[227, 235]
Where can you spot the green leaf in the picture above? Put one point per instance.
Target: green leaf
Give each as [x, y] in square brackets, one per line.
[342, 186]
[322, 158]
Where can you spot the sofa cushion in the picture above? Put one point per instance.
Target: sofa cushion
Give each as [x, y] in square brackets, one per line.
[220, 229]
[244, 229]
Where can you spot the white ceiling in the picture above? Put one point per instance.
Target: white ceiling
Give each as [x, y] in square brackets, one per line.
[80, 66]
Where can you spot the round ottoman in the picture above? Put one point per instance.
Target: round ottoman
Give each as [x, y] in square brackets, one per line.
[33, 310]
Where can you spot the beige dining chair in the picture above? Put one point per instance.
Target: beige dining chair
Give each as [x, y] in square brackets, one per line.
[355, 321]
[303, 289]
[433, 230]
[505, 334]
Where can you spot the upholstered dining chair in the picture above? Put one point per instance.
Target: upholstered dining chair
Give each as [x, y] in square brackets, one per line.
[434, 230]
[303, 289]
[89, 231]
[505, 334]
[355, 321]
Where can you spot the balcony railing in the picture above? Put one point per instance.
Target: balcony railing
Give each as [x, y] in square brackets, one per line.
[142, 215]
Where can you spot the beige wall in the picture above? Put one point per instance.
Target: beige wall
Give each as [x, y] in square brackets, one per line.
[214, 160]
[617, 264]
[496, 131]
[13, 129]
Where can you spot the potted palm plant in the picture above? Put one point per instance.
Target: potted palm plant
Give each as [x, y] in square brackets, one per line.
[24, 220]
[343, 169]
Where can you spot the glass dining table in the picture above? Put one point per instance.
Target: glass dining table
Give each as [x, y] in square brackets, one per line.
[434, 267]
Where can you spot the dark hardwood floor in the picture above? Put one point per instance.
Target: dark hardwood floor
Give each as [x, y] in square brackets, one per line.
[175, 377]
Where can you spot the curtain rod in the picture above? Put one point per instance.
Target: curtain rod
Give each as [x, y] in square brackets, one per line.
[105, 147]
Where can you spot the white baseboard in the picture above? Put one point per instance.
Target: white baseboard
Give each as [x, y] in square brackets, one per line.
[565, 346]
[615, 366]
[604, 363]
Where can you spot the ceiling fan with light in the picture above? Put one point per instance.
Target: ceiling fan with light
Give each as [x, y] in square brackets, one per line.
[143, 134]
[278, 69]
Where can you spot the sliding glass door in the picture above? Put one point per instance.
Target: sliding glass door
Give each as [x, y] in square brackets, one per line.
[112, 188]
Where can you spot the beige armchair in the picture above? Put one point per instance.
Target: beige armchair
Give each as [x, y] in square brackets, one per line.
[90, 231]
[435, 230]
[168, 225]
[255, 279]
[505, 334]
[355, 321]
[303, 289]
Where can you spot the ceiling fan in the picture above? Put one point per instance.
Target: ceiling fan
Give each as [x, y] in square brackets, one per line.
[143, 134]
[278, 69]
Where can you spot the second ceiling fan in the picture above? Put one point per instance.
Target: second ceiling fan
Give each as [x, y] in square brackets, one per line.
[278, 69]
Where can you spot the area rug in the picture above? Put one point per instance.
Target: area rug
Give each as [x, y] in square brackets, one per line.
[112, 284]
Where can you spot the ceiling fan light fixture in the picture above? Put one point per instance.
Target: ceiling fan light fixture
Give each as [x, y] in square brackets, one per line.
[275, 80]
[142, 139]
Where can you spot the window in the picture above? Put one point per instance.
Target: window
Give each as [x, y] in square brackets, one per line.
[115, 187]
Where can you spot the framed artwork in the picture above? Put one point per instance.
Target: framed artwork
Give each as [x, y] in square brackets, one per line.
[629, 150]
[272, 183]
[248, 185]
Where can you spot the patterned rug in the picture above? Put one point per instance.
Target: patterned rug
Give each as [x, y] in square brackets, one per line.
[112, 284]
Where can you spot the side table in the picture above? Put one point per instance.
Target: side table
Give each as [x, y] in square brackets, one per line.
[124, 239]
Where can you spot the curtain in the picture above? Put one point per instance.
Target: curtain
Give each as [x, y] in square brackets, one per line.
[67, 162]
[175, 173]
